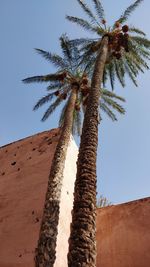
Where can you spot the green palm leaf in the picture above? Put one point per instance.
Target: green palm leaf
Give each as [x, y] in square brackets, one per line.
[51, 109]
[55, 85]
[129, 10]
[136, 30]
[135, 62]
[110, 102]
[99, 9]
[44, 78]
[44, 100]
[83, 23]
[141, 41]
[53, 58]
[111, 95]
[130, 73]
[111, 70]
[108, 112]
[120, 71]
[66, 47]
[87, 10]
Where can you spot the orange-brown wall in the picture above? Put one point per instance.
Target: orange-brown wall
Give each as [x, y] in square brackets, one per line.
[22, 194]
[123, 231]
[123, 235]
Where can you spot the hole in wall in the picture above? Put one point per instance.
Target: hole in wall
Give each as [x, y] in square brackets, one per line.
[37, 219]
[13, 163]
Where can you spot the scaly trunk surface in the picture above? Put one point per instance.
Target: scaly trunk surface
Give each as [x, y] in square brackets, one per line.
[45, 253]
[82, 243]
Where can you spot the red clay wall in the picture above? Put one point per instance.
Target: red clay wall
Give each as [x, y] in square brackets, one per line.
[123, 231]
[22, 193]
[123, 235]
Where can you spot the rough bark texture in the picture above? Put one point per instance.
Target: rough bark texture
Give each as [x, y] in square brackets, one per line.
[82, 243]
[46, 250]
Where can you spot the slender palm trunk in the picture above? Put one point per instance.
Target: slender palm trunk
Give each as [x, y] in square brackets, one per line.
[82, 243]
[46, 250]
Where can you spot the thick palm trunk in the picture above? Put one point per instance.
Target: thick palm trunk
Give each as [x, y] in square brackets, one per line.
[45, 252]
[82, 243]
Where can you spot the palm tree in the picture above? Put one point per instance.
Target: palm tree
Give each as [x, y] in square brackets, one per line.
[72, 84]
[118, 50]
[63, 85]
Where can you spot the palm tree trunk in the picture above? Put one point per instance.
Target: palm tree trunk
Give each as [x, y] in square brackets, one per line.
[82, 243]
[45, 252]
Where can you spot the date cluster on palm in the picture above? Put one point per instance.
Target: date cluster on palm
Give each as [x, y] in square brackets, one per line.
[118, 41]
[62, 76]
[81, 83]
[62, 96]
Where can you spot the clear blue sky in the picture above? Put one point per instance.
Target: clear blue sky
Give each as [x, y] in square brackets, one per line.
[124, 146]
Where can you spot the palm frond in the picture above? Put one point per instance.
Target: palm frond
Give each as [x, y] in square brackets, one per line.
[87, 11]
[129, 10]
[44, 100]
[136, 30]
[51, 109]
[88, 66]
[110, 94]
[75, 53]
[34, 79]
[130, 74]
[100, 31]
[88, 53]
[44, 78]
[144, 53]
[141, 41]
[135, 62]
[66, 47]
[83, 23]
[140, 54]
[131, 66]
[81, 41]
[55, 85]
[53, 58]
[99, 9]
[108, 112]
[110, 102]
[111, 70]
[120, 72]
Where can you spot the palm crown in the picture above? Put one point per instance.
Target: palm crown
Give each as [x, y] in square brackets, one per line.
[128, 47]
[69, 74]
